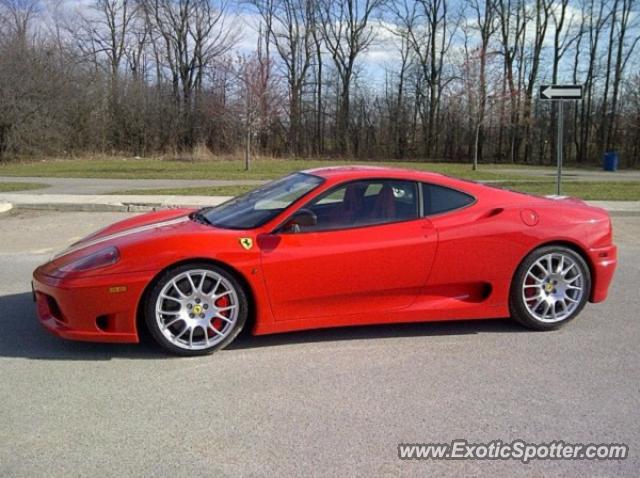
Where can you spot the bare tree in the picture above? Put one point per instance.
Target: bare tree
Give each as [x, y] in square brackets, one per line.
[541, 13]
[563, 39]
[485, 25]
[290, 25]
[633, 103]
[164, 76]
[17, 17]
[426, 25]
[512, 27]
[400, 113]
[347, 33]
[260, 98]
[194, 34]
[623, 54]
[103, 36]
[319, 104]
[21, 98]
[596, 20]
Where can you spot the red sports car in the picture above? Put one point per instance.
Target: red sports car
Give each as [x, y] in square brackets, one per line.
[330, 247]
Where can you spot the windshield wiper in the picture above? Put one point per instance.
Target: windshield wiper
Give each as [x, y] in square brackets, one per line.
[198, 216]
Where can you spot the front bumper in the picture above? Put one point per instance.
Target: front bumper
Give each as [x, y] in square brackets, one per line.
[95, 309]
[603, 262]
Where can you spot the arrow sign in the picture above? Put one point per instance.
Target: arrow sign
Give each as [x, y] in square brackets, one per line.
[560, 92]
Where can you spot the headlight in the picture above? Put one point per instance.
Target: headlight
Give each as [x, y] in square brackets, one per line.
[102, 258]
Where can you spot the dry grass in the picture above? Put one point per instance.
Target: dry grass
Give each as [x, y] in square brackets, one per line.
[11, 187]
[223, 167]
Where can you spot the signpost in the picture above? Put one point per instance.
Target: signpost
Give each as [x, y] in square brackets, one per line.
[560, 93]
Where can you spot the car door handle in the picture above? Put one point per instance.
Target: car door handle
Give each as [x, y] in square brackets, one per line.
[427, 230]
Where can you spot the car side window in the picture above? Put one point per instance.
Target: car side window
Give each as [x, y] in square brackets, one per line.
[438, 199]
[365, 203]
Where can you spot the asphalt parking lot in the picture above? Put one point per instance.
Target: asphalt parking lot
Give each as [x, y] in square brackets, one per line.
[332, 402]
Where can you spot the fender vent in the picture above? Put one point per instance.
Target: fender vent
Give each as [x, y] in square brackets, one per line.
[491, 213]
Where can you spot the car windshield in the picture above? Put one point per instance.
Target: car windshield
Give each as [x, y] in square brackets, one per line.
[259, 206]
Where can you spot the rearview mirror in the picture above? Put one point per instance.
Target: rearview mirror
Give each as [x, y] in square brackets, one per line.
[302, 218]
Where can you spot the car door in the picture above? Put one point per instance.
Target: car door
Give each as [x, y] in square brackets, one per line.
[477, 245]
[369, 251]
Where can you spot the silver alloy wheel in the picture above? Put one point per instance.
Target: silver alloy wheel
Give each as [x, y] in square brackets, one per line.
[197, 309]
[553, 287]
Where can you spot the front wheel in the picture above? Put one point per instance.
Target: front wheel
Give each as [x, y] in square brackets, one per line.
[196, 309]
[550, 288]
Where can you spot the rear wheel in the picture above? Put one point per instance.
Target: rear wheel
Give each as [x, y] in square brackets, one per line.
[196, 309]
[550, 288]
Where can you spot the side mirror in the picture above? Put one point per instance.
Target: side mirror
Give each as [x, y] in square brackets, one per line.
[302, 218]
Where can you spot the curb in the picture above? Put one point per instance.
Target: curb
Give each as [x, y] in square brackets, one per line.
[106, 203]
[63, 207]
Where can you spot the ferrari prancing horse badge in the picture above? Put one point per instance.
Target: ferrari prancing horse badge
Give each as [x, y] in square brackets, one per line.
[246, 242]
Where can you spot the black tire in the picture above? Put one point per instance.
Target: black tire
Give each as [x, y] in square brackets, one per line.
[159, 284]
[517, 306]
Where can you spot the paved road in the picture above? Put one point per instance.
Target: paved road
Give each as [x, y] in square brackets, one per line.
[106, 186]
[330, 403]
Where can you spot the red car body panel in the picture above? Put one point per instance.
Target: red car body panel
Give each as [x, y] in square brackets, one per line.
[454, 265]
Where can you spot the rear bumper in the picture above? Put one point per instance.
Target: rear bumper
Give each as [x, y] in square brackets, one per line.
[96, 309]
[603, 262]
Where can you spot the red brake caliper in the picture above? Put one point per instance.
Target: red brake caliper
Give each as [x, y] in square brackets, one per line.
[218, 323]
[529, 291]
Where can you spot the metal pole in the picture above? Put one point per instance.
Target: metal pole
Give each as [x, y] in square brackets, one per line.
[559, 145]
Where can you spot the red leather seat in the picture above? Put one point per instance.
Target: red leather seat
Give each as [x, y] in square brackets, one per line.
[351, 206]
[385, 205]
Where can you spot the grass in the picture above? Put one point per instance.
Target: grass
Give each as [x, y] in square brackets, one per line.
[11, 187]
[263, 169]
[217, 169]
[603, 190]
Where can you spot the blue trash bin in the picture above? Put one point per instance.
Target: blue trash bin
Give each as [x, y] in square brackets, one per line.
[610, 161]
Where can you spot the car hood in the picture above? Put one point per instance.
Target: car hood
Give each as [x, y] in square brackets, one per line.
[142, 228]
[151, 242]
[137, 224]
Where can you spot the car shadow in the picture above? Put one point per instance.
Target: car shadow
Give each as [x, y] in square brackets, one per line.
[365, 332]
[23, 337]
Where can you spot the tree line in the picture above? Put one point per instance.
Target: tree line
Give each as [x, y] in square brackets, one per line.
[458, 79]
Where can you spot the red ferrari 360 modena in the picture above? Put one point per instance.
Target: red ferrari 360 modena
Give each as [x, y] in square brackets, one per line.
[330, 247]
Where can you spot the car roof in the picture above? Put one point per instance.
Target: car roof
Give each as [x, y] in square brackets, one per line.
[337, 174]
[355, 172]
